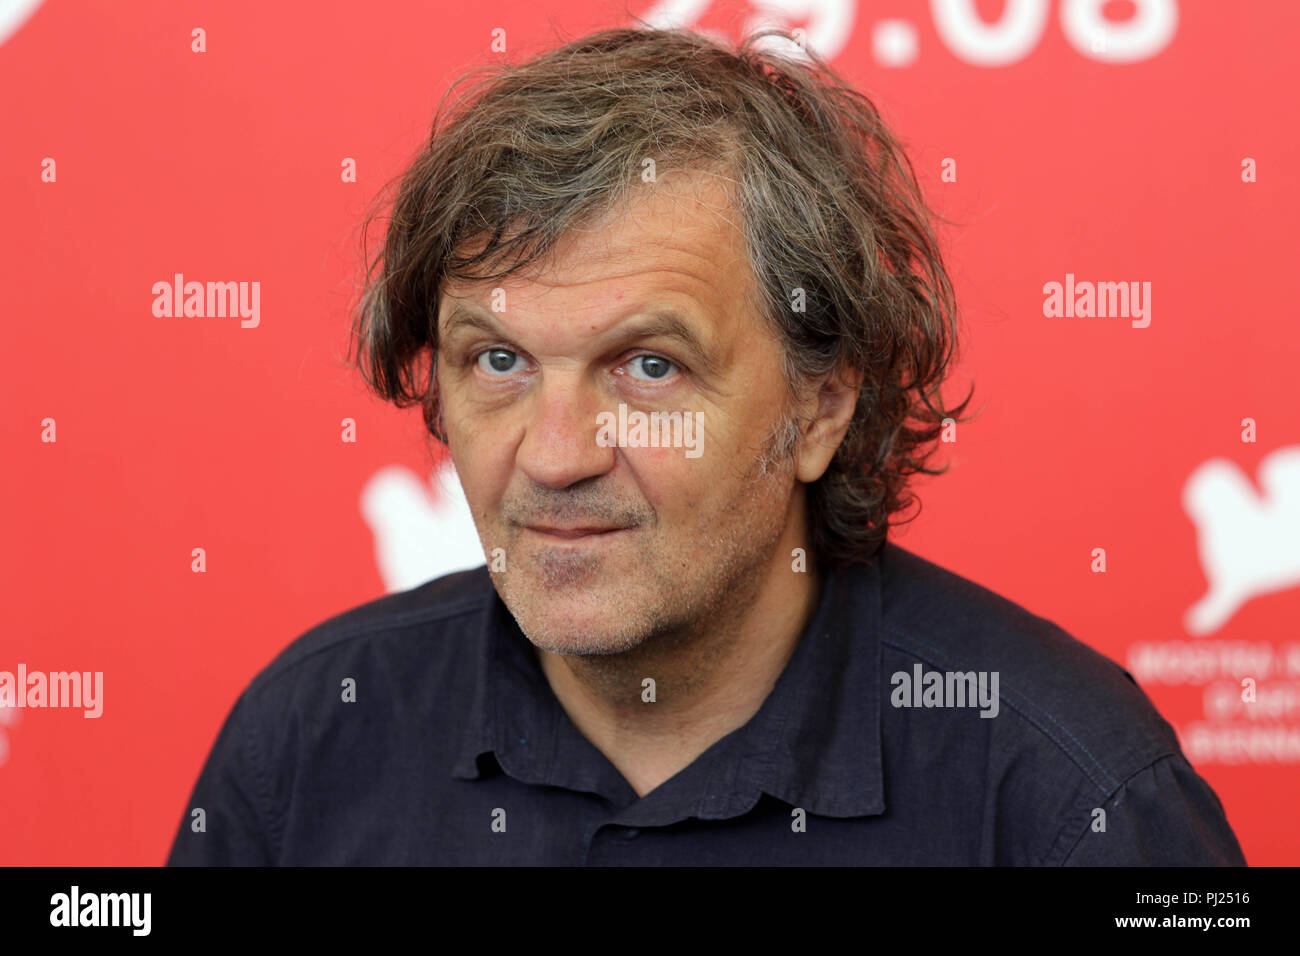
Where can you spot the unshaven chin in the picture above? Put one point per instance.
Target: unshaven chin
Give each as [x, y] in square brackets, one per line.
[680, 630]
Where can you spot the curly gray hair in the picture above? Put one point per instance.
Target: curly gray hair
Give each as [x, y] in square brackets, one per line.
[828, 200]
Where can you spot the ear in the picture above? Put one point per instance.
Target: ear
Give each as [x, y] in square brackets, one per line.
[836, 400]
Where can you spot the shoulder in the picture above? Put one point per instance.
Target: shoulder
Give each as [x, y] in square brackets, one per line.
[394, 630]
[1057, 692]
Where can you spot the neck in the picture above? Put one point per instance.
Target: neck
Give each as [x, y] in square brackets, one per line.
[707, 683]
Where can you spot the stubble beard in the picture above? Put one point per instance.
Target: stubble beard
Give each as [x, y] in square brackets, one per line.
[683, 610]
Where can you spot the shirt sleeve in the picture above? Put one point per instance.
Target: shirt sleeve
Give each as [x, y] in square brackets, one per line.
[1164, 815]
[232, 792]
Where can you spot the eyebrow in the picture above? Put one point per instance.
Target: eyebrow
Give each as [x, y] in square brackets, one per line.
[654, 323]
[461, 317]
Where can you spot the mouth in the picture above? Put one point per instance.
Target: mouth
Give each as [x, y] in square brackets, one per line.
[581, 533]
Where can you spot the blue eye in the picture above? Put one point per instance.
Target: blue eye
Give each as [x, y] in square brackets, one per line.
[655, 367]
[499, 361]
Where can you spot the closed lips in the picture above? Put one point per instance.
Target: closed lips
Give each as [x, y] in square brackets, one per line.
[571, 532]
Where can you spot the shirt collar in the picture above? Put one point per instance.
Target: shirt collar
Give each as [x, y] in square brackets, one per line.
[814, 743]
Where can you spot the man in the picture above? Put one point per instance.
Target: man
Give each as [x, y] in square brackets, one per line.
[683, 409]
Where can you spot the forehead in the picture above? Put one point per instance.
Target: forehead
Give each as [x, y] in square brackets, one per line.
[681, 234]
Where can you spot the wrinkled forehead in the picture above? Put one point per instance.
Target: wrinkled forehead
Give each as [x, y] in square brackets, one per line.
[688, 215]
[677, 248]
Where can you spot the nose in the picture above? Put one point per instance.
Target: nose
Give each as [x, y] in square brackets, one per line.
[559, 445]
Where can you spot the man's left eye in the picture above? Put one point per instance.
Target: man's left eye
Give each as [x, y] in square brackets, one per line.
[654, 367]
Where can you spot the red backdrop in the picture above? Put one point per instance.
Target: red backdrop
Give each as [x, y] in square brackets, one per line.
[1136, 142]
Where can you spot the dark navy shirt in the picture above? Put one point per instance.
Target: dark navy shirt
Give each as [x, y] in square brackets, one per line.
[456, 751]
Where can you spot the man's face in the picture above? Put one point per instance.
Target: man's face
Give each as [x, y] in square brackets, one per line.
[606, 547]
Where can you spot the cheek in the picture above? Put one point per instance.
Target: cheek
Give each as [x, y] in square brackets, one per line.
[670, 481]
[483, 467]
